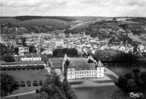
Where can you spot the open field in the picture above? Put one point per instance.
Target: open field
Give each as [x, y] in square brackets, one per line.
[37, 75]
[104, 92]
[28, 74]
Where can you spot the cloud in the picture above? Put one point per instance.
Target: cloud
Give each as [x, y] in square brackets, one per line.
[136, 2]
[73, 7]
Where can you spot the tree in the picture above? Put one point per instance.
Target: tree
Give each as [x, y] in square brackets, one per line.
[8, 58]
[143, 77]
[32, 49]
[7, 84]
[3, 49]
[55, 89]
[6, 53]
[133, 82]
[106, 55]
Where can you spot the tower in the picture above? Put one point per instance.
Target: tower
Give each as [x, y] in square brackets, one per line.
[100, 70]
[65, 65]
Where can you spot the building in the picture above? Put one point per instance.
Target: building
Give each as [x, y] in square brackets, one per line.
[23, 50]
[31, 74]
[27, 74]
[79, 68]
[29, 59]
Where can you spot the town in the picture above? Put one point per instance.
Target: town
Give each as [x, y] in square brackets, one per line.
[62, 64]
[44, 43]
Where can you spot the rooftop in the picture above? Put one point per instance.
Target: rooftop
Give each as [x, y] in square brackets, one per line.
[78, 63]
[22, 63]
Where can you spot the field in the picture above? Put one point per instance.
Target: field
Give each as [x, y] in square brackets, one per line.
[28, 75]
[36, 24]
[9, 20]
[104, 92]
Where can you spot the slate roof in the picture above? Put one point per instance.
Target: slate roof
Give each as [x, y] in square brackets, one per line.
[77, 63]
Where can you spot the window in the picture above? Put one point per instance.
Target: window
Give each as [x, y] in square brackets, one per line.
[8, 68]
[40, 82]
[14, 68]
[23, 68]
[37, 68]
[17, 83]
[27, 68]
[22, 84]
[18, 68]
[28, 83]
[4, 69]
[35, 83]
[33, 68]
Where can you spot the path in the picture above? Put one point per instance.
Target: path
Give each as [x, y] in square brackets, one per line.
[20, 94]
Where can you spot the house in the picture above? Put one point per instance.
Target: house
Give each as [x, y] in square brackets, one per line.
[23, 50]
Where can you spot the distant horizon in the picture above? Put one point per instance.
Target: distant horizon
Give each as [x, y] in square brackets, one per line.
[72, 16]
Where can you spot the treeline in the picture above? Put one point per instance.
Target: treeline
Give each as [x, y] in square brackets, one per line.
[22, 18]
[18, 29]
[115, 56]
[6, 53]
[7, 84]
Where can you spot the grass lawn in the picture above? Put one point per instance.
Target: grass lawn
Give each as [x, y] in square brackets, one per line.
[104, 92]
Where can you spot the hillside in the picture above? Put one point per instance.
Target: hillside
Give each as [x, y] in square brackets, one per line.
[27, 24]
[130, 30]
[117, 29]
[8, 20]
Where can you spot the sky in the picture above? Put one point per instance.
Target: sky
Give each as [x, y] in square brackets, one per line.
[108, 8]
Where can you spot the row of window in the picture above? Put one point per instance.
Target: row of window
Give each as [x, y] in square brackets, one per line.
[19, 68]
[30, 83]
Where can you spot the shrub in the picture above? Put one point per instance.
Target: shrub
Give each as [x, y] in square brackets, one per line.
[55, 89]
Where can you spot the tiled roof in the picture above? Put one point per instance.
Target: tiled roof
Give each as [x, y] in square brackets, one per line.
[78, 63]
